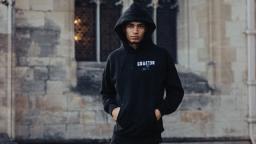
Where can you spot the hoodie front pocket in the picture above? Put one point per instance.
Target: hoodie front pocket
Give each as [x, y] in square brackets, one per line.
[121, 118]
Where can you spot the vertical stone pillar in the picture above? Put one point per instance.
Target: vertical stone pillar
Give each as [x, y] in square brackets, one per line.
[6, 97]
[125, 3]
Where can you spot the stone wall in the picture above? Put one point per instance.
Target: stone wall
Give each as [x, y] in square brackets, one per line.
[211, 41]
[44, 68]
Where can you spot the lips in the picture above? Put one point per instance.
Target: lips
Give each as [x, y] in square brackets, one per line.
[134, 37]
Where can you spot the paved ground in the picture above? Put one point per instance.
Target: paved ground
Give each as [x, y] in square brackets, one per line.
[210, 143]
[161, 143]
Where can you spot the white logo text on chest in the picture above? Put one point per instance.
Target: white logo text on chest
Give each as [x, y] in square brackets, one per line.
[146, 63]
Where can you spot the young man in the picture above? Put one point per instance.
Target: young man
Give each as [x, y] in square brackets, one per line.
[135, 79]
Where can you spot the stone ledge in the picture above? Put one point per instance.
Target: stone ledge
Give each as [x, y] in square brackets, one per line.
[89, 75]
[210, 140]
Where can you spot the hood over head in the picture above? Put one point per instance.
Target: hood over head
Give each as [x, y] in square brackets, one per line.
[135, 13]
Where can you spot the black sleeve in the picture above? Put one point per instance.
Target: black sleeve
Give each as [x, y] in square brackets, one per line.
[174, 90]
[108, 91]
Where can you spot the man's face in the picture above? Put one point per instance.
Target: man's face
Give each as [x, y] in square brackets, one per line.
[135, 32]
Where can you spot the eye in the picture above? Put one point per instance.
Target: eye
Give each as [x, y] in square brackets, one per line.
[130, 26]
[141, 26]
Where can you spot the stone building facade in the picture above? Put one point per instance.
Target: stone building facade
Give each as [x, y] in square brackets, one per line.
[45, 93]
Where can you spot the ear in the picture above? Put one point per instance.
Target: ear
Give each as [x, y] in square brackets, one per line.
[124, 29]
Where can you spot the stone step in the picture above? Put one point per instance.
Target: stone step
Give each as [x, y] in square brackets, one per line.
[239, 142]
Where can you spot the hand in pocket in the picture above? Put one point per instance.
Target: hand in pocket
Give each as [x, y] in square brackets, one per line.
[157, 114]
[115, 113]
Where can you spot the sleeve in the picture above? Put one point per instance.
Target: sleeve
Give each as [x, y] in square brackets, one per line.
[174, 90]
[108, 91]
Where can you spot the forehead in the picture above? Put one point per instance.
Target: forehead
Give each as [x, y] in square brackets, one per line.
[135, 23]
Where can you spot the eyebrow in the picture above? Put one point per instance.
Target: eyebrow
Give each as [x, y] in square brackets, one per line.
[136, 24]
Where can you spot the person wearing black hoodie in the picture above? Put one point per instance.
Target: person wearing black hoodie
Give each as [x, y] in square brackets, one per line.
[140, 83]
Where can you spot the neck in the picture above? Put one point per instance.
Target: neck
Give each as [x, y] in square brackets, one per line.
[135, 46]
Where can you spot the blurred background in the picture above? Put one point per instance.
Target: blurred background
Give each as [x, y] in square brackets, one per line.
[52, 55]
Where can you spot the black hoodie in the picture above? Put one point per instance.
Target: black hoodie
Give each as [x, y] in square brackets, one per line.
[136, 79]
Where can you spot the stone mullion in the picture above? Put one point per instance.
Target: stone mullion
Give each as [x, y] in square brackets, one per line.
[210, 43]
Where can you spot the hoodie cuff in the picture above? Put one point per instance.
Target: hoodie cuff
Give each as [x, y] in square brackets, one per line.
[162, 109]
[111, 107]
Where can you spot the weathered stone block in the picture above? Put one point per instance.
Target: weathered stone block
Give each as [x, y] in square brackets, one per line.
[84, 103]
[22, 4]
[21, 105]
[34, 50]
[47, 50]
[54, 132]
[29, 75]
[51, 35]
[38, 5]
[105, 130]
[3, 42]
[58, 61]
[32, 41]
[2, 93]
[53, 118]
[110, 119]
[56, 87]
[75, 131]
[3, 59]
[20, 73]
[63, 5]
[36, 132]
[57, 73]
[34, 61]
[52, 103]
[22, 131]
[28, 117]
[180, 128]
[196, 102]
[89, 80]
[63, 50]
[23, 46]
[227, 128]
[73, 117]
[33, 88]
[88, 117]
[3, 19]
[29, 18]
[3, 78]
[59, 117]
[194, 117]
[75, 102]
[203, 55]
[40, 73]
[94, 106]
[58, 18]
[3, 119]
[200, 85]
[91, 131]
[101, 117]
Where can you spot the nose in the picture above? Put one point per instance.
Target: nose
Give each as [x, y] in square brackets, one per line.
[135, 29]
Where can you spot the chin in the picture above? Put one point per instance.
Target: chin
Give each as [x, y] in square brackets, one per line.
[135, 41]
